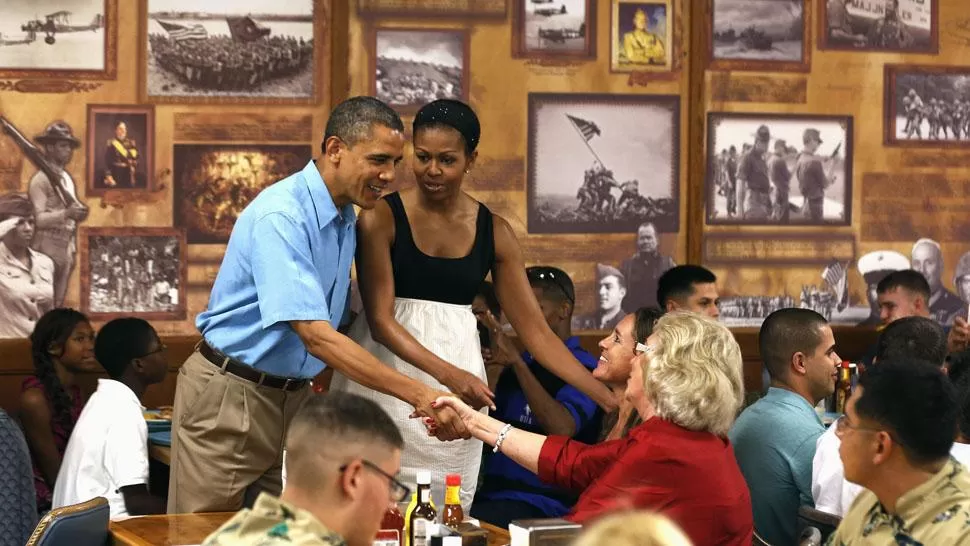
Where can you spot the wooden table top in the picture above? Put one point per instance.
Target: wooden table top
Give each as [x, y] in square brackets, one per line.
[162, 454]
[193, 528]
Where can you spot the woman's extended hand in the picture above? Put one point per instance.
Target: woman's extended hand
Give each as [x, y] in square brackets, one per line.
[469, 417]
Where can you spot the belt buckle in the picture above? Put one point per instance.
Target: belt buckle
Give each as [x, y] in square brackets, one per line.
[286, 383]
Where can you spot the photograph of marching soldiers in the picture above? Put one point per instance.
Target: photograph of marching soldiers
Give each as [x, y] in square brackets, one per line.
[768, 30]
[245, 48]
[415, 67]
[880, 25]
[52, 35]
[214, 183]
[38, 228]
[602, 164]
[133, 273]
[554, 26]
[779, 170]
[122, 155]
[929, 106]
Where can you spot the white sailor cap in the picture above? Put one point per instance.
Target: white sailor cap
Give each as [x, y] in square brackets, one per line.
[882, 260]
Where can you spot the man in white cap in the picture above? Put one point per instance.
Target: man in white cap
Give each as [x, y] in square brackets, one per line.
[874, 267]
[611, 289]
[945, 306]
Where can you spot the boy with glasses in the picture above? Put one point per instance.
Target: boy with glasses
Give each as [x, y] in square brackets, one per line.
[342, 454]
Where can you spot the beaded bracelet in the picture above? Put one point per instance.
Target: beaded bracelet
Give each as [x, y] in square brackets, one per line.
[501, 438]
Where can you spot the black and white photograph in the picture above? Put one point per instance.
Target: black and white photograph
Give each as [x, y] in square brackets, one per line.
[413, 67]
[234, 51]
[776, 169]
[908, 26]
[603, 163]
[554, 29]
[70, 38]
[133, 272]
[121, 152]
[759, 35]
[214, 183]
[927, 106]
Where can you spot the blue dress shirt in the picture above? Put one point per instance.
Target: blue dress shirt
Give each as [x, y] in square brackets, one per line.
[288, 258]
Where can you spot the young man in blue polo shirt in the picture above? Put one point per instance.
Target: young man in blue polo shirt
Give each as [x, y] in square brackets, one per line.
[774, 438]
[533, 399]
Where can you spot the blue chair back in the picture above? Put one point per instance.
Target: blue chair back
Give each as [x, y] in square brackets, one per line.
[84, 524]
[18, 503]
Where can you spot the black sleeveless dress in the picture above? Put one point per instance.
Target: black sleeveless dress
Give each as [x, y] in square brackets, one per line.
[432, 301]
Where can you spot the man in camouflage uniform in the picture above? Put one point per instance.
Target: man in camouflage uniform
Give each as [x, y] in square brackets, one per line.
[342, 453]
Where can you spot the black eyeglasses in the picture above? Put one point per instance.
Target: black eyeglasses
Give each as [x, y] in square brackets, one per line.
[161, 349]
[543, 273]
[399, 491]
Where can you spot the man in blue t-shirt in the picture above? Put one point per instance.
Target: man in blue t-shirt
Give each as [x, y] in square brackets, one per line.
[533, 399]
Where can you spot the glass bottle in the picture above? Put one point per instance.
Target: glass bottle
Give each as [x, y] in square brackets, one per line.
[424, 514]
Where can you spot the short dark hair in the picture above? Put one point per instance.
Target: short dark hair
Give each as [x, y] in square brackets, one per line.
[555, 283]
[959, 365]
[910, 279]
[354, 119]
[912, 338]
[121, 341]
[644, 320]
[962, 384]
[916, 402]
[678, 282]
[487, 291]
[347, 417]
[786, 332]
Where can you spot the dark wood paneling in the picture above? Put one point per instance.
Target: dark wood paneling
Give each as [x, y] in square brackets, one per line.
[15, 362]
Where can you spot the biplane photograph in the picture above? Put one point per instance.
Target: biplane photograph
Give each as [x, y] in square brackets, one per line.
[554, 28]
[243, 49]
[53, 35]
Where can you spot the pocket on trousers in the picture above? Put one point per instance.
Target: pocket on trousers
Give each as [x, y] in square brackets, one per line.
[194, 387]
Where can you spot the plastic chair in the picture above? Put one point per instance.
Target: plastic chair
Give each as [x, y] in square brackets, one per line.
[84, 524]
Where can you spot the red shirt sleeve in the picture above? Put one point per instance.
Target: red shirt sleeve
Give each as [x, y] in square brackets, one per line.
[573, 465]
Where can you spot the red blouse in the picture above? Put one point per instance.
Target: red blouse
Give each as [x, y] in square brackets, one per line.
[691, 477]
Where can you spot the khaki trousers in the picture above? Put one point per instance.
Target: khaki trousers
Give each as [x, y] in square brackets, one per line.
[227, 438]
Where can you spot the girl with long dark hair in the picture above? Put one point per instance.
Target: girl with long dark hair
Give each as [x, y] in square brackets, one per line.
[62, 345]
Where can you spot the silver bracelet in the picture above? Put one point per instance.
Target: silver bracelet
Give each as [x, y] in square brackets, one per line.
[501, 437]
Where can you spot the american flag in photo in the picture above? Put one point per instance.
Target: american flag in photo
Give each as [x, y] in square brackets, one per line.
[836, 275]
[587, 128]
[182, 32]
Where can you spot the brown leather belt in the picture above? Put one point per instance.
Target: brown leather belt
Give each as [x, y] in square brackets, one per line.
[248, 372]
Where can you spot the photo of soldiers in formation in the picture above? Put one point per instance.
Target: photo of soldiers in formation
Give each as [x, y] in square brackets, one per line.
[932, 106]
[828, 300]
[134, 274]
[886, 25]
[765, 180]
[213, 184]
[417, 67]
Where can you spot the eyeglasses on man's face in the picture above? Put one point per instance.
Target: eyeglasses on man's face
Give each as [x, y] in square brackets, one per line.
[543, 273]
[160, 349]
[399, 491]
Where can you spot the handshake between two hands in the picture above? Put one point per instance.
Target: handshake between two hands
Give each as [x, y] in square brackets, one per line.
[446, 417]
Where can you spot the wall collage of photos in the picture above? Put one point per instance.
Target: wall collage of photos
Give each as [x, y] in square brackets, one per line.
[832, 149]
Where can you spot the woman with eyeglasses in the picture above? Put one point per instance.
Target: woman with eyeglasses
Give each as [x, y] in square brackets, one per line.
[422, 255]
[677, 462]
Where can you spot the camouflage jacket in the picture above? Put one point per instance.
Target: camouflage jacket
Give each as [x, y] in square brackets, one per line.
[272, 522]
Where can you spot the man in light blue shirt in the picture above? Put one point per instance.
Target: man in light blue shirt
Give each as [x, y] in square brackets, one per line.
[272, 318]
[774, 439]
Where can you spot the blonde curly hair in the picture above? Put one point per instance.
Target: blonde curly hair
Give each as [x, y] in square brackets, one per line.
[694, 374]
[633, 529]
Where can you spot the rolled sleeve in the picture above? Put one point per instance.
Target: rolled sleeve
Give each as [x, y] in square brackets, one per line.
[287, 282]
[581, 407]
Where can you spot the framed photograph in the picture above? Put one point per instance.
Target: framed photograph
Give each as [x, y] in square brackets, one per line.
[778, 169]
[765, 35]
[603, 163]
[433, 8]
[927, 106]
[214, 183]
[75, 39]
[133, 271]
[244, 51]
[906, 26]
[554, 29]
[641, 36]
[121, 150]
[415, 66]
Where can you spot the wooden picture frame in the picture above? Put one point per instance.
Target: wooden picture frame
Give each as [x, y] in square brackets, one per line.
[95, 310]
[893, 103]
[553, 37]
[860, 24]
[756, 39]
[628, 11]
[793, 128]
[140, 121]
[226, 74]
[460, 36]
[478, 9]
[109, 20]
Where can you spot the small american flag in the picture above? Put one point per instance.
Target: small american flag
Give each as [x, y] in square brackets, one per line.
[836, 276]
[587, 128]
[182, 32]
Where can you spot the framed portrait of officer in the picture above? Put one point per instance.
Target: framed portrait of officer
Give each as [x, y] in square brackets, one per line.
[641, 36]
[120, 149]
